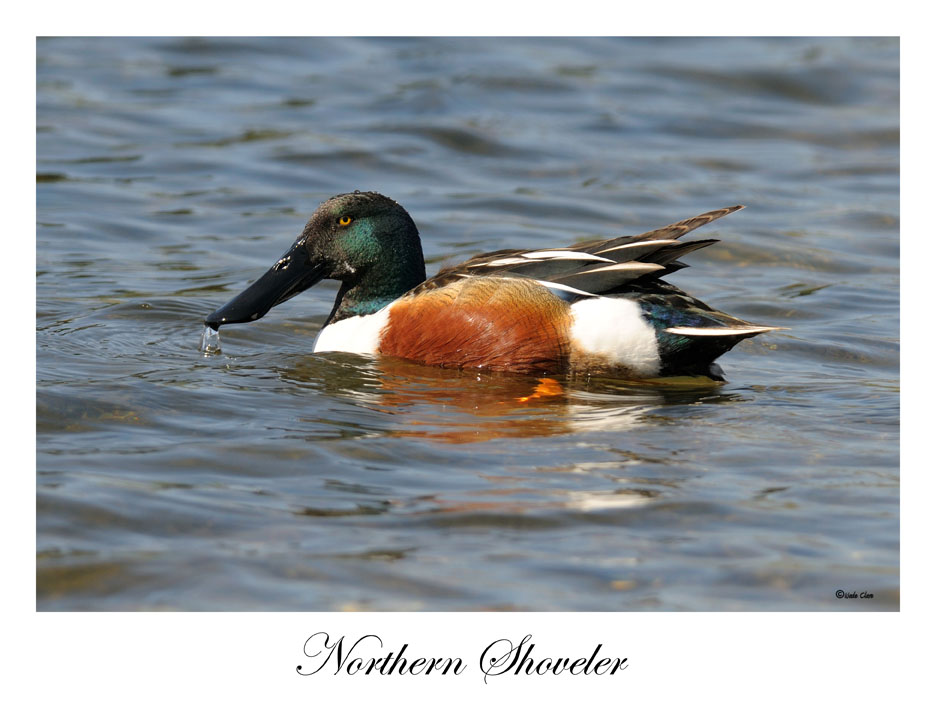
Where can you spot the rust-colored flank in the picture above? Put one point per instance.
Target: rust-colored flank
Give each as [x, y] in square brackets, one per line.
[481, 322]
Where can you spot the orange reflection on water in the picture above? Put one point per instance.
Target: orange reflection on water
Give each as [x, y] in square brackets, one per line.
[450, 406]
[458, 406]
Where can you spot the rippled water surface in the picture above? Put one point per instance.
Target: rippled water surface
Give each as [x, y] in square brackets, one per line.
[172, 172]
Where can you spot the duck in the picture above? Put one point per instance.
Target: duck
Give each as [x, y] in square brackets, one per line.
[597, 307]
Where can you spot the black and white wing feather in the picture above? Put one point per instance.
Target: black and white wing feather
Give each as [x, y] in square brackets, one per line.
[595, 267]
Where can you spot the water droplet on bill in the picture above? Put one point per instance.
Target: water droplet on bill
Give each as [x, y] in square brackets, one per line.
[210, 341]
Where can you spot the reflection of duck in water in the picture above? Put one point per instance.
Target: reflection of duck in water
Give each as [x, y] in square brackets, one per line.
[450, 406]
[597, 306]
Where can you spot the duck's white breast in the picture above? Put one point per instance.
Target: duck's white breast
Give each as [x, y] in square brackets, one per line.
[359, 334]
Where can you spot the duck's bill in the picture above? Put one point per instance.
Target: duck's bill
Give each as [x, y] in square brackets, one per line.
[289, 276]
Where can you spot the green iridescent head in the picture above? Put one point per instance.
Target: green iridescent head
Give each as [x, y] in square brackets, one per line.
[362, 233]
[364, 239]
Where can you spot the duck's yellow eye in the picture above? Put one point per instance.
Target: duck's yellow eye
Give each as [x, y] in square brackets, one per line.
[344, 220]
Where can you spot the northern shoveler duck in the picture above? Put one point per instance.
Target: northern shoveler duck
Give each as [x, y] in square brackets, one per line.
[598, 306]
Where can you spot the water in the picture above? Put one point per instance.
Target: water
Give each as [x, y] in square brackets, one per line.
[173, 172]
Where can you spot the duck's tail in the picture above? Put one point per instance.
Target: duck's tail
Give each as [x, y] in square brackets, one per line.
[693, 350]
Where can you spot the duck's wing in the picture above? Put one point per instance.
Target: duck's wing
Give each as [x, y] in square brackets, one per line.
[593, 267]
[676, 230]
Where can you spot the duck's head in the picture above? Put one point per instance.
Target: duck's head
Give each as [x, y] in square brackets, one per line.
[364, 239]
